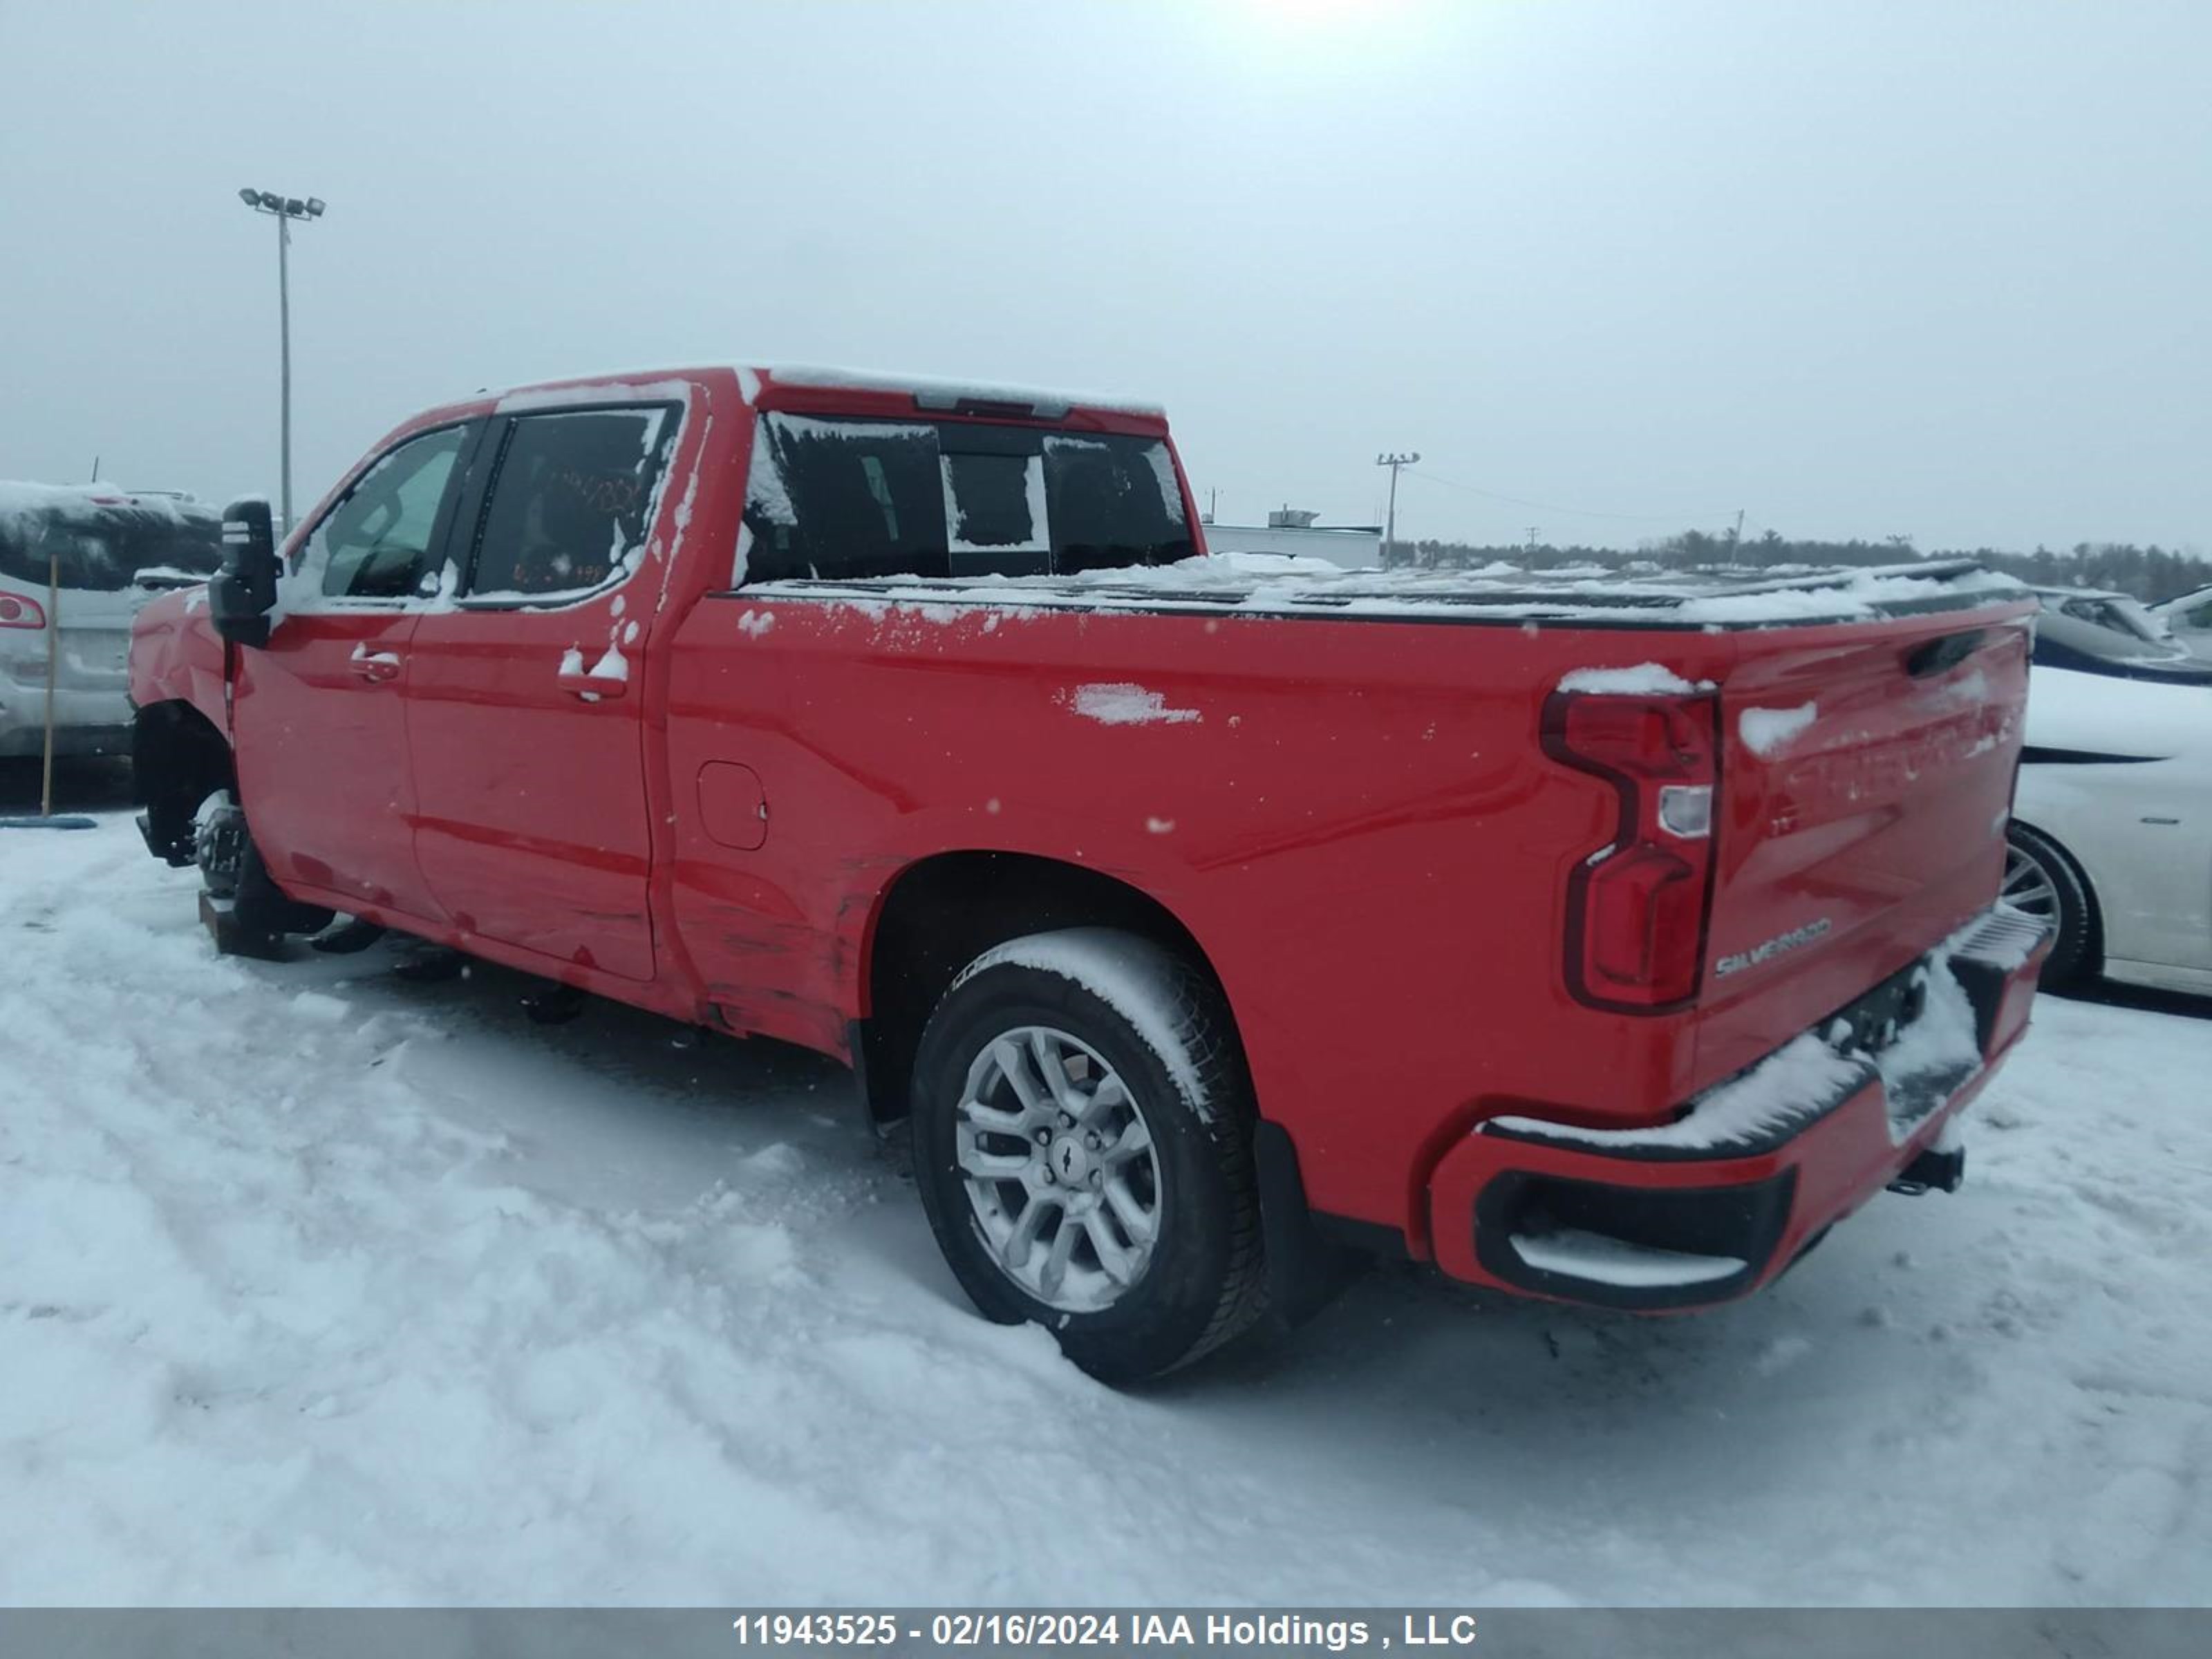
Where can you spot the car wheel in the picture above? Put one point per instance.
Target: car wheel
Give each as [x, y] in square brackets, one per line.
[2041, 881]
[244, 911]
[1082, 1134]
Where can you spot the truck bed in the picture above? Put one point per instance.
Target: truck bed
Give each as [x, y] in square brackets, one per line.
[1356, 823]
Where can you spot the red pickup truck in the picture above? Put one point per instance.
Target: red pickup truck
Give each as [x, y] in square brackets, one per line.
[1599, 941]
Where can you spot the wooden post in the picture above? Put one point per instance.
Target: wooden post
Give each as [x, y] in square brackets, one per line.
[53, 663]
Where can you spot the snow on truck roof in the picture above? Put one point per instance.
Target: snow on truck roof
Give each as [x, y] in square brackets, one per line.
[1279, 584]
[751, 377]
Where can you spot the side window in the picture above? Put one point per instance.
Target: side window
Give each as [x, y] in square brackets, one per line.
[836, 500]
[2197, 617]
[375, 544]
[572, 500]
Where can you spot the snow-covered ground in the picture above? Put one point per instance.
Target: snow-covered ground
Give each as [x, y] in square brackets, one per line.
[318, 1286]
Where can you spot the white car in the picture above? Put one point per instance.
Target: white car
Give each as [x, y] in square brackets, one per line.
[77, 562]
[2112, 831]
[2189, 620]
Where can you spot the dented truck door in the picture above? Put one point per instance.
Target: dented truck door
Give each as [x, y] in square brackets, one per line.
[525, 702]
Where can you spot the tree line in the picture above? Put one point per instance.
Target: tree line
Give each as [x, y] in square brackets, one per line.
[2150, 573]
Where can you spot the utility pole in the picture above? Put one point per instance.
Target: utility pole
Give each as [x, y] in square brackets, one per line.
[1533, 529]
[1390, 521]
[284, 209]
[284, 359]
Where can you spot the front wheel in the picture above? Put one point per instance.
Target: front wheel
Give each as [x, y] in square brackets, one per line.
[1081, 1132]
[244, 911]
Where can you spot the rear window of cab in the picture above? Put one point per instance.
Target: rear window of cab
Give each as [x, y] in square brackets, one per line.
[844, 499]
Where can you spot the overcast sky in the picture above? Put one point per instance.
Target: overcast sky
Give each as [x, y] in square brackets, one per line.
[1936, 269]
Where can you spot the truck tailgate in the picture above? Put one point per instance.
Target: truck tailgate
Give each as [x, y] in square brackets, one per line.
[1866, 776]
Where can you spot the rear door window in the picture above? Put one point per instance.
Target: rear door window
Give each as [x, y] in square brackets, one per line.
[846, 499]
[571, 501]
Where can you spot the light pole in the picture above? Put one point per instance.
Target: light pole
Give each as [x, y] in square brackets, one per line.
[284, 209]
[1390, 523]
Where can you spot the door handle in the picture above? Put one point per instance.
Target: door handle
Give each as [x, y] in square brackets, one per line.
[377, 667]
[593, 688]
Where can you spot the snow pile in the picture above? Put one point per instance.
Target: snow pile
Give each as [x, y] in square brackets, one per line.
[612, 669]
[20, 499]
[564, 394]
[647, 385]
[1942, 1043]
[406, 1299]
[947, 392]
[1647, 679]
[1767, 731]
[1258, 585]
[1773, 1095]
[1123, 704]
[1134, 978]
[167, 576]
[1811, 1071]
[1605, 1261]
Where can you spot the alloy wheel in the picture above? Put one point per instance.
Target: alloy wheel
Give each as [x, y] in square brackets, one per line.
[1059, 1167]
[2029, 887]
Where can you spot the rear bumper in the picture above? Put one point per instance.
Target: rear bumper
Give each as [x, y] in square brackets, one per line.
[87, 721]
[17, 741]
[1722, 1200]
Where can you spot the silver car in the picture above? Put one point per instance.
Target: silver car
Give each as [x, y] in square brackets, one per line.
[76, 564]
[2189, 620]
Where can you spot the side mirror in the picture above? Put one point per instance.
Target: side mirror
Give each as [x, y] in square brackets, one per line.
[241, 598]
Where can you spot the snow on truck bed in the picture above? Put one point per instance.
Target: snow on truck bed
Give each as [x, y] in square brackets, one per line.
[320, 1288]
[1267, 584]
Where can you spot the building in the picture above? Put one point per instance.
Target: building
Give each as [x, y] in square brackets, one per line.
[1288, 530]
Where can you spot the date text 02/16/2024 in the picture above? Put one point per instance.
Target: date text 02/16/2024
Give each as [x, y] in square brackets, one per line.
[1334, 1633]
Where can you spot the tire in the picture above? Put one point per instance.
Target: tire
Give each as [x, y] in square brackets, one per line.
[244, 911]
[1140, 1038]
[2042, 881]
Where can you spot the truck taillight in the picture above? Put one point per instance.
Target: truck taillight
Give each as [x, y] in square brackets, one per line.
[1637, 906]
[17, 612]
